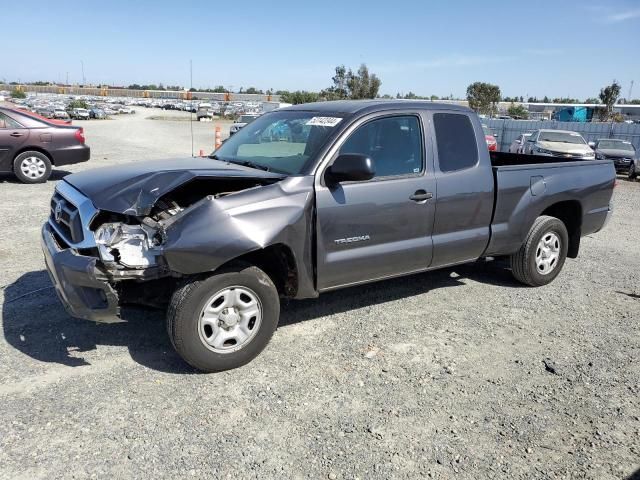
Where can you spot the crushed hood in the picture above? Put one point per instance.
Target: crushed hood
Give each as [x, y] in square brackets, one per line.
[134, 188]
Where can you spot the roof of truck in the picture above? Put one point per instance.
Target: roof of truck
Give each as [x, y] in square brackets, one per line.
[365, 106]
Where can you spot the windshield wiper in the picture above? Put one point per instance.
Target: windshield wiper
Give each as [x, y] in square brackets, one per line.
[250, 164]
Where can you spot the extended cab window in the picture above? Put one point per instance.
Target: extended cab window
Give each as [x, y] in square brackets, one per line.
[456, 141]
[393, 143]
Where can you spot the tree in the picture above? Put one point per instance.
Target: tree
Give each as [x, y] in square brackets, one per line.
[355, 86]
[253, 90]
[77, 104]
[299, 97]
[219, 89]
[608, 96]
[518, 111]
[18, 94]
[592, 100]
[483, 97]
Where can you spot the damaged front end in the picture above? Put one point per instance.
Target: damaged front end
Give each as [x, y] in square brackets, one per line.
[99, 259]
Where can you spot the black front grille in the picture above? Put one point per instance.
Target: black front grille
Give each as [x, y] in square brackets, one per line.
[66, 217]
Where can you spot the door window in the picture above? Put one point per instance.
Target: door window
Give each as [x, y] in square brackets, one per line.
[8, 122]
[393, 143]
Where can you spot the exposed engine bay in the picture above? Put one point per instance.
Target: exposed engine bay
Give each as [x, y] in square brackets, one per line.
[132, 247]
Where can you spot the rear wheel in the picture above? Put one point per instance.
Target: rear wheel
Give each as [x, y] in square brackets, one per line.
[32, 167]
[543, 253]
[224, 321]
[632, 172]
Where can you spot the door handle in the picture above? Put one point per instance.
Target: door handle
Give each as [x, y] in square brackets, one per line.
[16, 134]
[421, 196]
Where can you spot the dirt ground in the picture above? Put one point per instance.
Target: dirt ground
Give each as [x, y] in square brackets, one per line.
[459, 373]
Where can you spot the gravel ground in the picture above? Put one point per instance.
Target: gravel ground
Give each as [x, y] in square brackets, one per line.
[460, 373]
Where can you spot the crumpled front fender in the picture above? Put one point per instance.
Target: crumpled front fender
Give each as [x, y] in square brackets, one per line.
[215, 231]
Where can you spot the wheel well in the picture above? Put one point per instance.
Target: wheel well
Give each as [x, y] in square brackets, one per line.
[34, 149]
[569, 213]
[278, 262]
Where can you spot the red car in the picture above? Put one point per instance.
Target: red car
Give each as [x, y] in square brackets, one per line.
[31, 145]
[40, 117]
[492, 143]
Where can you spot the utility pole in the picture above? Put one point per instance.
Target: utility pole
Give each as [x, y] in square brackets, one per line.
[67, 82]
[630, 90]
[84, 82]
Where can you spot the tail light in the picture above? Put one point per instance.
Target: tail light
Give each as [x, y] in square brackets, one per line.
[80, 135]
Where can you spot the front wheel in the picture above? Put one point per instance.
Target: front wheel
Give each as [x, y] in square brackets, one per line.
[224, 321]
[543, 253]
[632, 172]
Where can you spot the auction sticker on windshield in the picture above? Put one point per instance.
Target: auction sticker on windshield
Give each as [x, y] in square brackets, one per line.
[324, 121]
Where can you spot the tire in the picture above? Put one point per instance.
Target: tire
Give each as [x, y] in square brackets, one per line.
[545, 247]
[632, 172]
[196, 334]
[32, 167]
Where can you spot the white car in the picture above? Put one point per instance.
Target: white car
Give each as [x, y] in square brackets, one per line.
[517, 146]
[242, 121]
[559, 143]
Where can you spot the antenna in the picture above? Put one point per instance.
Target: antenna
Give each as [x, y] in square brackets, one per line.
[191, 109]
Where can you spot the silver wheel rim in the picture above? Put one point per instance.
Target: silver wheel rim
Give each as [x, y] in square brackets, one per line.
[33, 167]
[230, 319]
[547, 253]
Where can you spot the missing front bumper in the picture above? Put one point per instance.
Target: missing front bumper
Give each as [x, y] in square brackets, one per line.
[82, 288]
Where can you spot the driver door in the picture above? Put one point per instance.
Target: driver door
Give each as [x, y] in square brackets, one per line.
[381, 227]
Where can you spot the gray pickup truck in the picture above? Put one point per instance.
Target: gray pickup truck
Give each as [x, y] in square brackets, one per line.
[305, 200]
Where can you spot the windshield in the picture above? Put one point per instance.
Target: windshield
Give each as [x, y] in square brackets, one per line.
[561, 137]
[616, 145]
[280, 142]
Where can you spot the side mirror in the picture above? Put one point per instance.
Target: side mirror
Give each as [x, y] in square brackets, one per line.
[350, 167]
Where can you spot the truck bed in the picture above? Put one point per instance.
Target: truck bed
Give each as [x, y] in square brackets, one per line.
[526, 186]
[502, 159]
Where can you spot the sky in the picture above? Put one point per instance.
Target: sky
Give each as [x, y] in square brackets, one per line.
[560, 48]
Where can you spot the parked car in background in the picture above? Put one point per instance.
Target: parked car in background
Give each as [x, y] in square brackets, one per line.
[517, 146]
[492, 143]
[97, 113]
[80, 114]
[60, 114]
[110, 111]
[242, 121]
[622, 152]
[205, 112]
[30, 145]
[559, 143]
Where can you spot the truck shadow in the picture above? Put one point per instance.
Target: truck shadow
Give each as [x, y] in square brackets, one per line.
[35, 323]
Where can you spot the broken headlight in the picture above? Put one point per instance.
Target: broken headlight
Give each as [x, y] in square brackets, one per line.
[129, 245]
